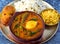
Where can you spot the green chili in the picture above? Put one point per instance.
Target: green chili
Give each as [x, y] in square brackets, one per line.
[24, 16]
[34, 19]
[17, 33]
[16, 19]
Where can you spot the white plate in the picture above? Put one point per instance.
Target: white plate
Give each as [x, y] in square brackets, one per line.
[49, 32]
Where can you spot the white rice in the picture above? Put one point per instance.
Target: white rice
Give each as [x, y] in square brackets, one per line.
[29, 5]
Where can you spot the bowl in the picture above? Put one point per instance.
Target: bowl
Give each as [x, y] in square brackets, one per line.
[36, 36]
[50, 16]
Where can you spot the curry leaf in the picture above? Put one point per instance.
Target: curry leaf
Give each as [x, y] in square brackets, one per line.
[32, 33]
[17, 25]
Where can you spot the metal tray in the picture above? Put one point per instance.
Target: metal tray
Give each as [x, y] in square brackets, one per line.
[49, 31]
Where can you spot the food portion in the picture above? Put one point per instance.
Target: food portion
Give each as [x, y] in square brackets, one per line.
[7, 13]
[27, 25]
[31, 24]
[29, 5]
[50, 16]
[0, 15]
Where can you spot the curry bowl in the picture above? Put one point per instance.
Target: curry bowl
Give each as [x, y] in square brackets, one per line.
[27, 26]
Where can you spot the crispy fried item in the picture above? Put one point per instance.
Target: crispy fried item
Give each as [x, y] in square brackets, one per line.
[7, 13]
[8, 10]
[0, 15]
[5, 19]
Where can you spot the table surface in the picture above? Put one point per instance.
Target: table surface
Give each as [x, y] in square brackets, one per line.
[54, 40]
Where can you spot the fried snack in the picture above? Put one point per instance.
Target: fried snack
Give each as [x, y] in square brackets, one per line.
[5, 19]
[0, 15]
[8, 10]
[7, 13]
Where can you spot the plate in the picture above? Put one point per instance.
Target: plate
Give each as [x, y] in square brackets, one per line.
[49, 31]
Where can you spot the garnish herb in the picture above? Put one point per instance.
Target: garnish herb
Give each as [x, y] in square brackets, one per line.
[20, 27]
[32, 33]
[17, 25]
